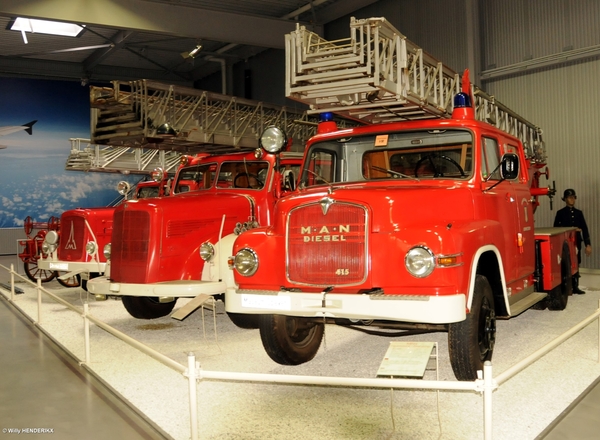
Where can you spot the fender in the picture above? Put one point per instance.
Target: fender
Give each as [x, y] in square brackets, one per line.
[473, 273]
[217, 269]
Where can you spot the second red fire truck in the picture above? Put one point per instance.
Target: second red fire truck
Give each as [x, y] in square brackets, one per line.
[171, 247]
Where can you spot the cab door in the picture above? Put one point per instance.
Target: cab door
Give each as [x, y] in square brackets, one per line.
[502, 206]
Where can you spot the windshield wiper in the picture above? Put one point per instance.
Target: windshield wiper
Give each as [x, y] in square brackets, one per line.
[394, 173]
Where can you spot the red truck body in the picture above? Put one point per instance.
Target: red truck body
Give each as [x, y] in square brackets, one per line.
[77, 247]
[424, 223]
[158, 245]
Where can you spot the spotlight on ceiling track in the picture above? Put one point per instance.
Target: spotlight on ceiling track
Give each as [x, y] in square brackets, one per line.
[192, 53]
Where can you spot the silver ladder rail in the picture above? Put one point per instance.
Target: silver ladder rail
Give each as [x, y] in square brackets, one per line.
[85, 156]
[155, 115]
[377, 75]
[139, 125]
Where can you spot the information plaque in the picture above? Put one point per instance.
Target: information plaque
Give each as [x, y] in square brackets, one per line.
[406, 359]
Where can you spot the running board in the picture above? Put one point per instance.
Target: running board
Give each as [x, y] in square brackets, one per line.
[525, 303]
[191, 306]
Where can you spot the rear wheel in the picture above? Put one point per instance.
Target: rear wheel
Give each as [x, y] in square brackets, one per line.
[559, 296]
[471, 342]
[290, 340]
[33, 272]
[146, 307]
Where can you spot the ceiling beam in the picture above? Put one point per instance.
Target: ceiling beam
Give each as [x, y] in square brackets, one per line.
[340, 9]
[161, 18]
[117, 42]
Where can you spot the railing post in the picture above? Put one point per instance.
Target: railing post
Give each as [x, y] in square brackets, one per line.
[86, 332]
[488, 390]
[39, 300]
[191, 373]
[12, 282]
[598, 333]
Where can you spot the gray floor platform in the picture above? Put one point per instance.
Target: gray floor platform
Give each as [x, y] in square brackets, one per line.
[45, 388]
[46, 392]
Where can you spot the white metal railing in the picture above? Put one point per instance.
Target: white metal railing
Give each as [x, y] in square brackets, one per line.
[486, 384]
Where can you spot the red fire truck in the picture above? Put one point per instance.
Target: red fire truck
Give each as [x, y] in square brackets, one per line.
[422, 221]
[75, 249]
[172, 247]
[31, 253]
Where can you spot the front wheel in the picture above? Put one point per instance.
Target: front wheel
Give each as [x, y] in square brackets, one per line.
[146, 307]
[471, 342]
[33, 272]
[290, 340]
[243, 320]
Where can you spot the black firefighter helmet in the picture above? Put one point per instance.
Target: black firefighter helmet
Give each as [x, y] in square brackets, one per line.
[568, 193]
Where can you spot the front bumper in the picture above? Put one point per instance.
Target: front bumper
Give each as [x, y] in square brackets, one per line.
[401, 308]
[74, 267]
[171, 289]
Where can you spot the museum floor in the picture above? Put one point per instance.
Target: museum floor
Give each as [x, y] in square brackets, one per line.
[45, 388]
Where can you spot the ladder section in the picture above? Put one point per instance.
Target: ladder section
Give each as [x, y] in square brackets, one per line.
[376, 75]
[154, 115]
[85, 156]
[490, 110]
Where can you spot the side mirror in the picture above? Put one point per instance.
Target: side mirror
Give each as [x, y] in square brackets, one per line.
[289, 180]
[509, 167]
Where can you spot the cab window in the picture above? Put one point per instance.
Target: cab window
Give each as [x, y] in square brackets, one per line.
[490, 159]
[320, 168]
[195, 178]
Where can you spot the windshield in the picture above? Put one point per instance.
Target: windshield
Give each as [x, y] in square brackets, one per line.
[195, 178]
[432, 154]
[243, 174]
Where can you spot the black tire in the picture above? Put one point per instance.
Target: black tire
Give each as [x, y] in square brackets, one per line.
[290, 340]
[146, 307]
[243, 320]
[559, 296]
[33, 272]
[84, 282]
[471, 342]
[73, 281]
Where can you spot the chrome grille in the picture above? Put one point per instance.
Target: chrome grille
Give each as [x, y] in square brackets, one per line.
[326, 246]
[129, 253]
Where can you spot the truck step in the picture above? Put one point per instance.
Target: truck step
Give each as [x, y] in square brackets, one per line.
[525, 303]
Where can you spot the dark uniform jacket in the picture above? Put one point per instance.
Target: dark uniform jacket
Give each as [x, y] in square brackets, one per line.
[573, 217]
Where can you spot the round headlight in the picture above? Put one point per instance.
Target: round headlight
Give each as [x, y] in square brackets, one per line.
[51, 237]
[91, 247]
[246, 262]
[420, 261]
[46, 248]
[273, 139]
[207, 251]
[106, 251]
[123, 188]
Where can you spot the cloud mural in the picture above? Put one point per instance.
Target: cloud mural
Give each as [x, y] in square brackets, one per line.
[33, 180]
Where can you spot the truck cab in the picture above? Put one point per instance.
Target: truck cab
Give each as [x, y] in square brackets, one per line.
[172, 247]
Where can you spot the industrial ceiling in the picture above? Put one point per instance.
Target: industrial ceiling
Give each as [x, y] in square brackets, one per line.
[133, 39]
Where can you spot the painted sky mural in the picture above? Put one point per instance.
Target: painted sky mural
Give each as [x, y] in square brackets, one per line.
[33, 180]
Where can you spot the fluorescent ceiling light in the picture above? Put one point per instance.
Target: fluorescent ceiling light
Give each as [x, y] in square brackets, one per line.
[46, 27]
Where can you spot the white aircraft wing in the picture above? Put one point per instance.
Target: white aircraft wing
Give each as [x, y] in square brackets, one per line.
[13, 129]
